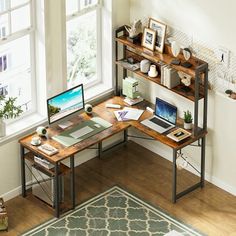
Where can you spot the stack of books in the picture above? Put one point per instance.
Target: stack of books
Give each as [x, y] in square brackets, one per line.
[169, 77]
[43, 162]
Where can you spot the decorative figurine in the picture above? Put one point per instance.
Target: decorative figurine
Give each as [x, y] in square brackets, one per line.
[134, 29]
[175, 49]
[186, 80]
[187, 54]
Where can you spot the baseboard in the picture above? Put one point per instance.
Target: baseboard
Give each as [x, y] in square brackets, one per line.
[167, 155]
[219, 183]
[13, 193]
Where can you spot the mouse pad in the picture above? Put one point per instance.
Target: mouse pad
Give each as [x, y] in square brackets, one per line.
[96, 123]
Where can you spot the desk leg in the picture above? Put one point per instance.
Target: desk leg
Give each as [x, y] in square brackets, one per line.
[174, 177]
[72, 181]
[125, 136]
[100, 150]
[56, 191]
[22, 155]
[203, 161]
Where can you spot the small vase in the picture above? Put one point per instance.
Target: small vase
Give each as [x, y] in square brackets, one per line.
[187, 125]
[2, 128]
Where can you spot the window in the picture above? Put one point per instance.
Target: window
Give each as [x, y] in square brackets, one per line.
[83, 42]
[17, 52]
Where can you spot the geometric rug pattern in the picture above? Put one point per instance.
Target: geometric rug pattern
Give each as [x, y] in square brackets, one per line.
[114, 213]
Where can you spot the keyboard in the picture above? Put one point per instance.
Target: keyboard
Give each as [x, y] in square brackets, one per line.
[160, 122]
[81, 132]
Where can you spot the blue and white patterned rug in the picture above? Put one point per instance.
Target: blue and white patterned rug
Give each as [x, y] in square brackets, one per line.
[114, 213]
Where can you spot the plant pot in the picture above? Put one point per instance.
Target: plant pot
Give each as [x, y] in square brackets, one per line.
[2, 128]
[187, 125]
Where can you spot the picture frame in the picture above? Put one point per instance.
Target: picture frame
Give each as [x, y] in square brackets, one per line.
[160, 30]
[149, 38]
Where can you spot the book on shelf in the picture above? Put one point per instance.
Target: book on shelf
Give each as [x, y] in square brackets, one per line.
[43, 162]
[179, 134]
[169, 77]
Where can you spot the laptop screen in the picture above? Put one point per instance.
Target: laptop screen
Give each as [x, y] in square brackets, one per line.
[166, 111]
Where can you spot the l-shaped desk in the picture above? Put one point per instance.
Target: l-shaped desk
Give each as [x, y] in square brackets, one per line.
[28, 151]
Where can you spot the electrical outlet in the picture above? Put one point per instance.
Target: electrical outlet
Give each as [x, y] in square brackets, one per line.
[223, 56]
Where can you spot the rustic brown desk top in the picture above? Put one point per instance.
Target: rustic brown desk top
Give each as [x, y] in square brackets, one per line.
[107, 114]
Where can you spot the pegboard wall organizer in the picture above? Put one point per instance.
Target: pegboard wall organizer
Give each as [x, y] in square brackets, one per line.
[222, 76]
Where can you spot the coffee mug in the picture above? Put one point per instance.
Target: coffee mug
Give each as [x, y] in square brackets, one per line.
[36, 140]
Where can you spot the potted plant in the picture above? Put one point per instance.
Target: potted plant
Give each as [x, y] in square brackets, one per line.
[8, 110]
[188, 119]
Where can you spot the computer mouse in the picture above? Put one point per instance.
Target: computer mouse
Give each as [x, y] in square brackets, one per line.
[97, 125]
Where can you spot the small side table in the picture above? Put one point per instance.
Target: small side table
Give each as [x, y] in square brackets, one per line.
[3, 216]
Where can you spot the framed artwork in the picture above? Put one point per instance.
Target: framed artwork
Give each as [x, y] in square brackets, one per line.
[149, 38]
[160, 30]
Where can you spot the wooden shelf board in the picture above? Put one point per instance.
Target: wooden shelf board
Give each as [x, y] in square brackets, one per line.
[63, 168]
[178, 89]
[163, 57]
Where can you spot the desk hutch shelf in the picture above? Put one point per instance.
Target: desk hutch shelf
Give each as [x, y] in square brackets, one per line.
[198, 71]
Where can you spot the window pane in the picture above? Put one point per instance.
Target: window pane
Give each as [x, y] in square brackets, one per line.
[72, 6]
[4, 26]
[82, 49]
[20, 18]
[87, 3]
[15, 3]
[16, 80]
[4, 5]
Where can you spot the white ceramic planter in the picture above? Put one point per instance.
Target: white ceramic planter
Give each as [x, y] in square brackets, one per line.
[2, 128]
[187, 125]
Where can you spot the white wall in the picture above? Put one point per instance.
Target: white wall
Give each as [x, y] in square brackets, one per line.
[212, 22]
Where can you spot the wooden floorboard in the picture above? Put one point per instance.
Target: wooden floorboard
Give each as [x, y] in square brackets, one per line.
[138, 170]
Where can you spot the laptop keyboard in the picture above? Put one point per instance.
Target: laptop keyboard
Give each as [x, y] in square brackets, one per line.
[160, 122]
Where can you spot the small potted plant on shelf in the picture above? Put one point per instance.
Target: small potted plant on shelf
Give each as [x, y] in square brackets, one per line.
[8, 110]
[188, 119]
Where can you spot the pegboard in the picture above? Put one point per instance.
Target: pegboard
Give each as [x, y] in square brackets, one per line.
[220, 77]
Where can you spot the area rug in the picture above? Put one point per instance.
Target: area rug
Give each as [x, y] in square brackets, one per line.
[114, 213]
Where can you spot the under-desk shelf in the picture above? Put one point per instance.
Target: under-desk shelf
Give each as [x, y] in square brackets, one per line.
[50, 172]
[178, 89]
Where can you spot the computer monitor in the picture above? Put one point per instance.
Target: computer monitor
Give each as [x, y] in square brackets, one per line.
[65, 103]
[166, 111]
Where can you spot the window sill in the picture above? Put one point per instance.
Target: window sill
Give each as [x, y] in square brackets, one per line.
[97, 92]
[22, 127]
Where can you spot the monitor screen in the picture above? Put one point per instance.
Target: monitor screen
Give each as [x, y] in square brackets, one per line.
[65, 103]
[166, 111]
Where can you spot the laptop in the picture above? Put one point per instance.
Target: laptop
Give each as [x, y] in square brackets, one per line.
[164, 119]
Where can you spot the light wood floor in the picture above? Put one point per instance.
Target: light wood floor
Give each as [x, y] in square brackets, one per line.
[211, 210]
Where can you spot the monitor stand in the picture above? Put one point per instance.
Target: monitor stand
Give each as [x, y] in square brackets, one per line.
[65, 124]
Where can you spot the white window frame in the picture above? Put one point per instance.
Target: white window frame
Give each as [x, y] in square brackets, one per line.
[3, 31]
[30, 31]
[97, 7]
